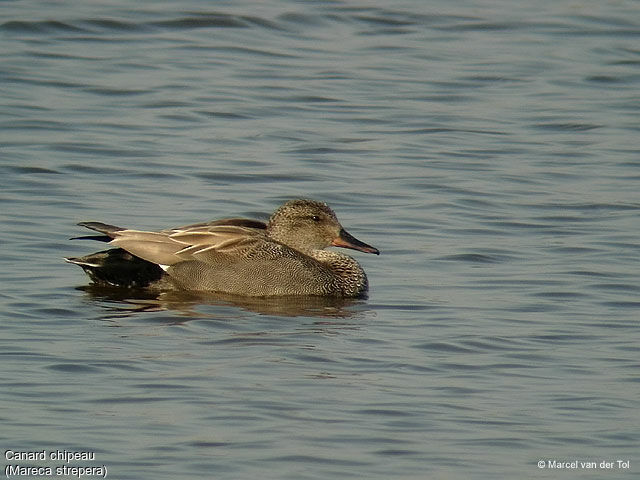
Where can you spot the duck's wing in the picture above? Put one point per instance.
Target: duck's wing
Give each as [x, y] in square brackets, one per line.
[234, 222]
[108, 231]
[198, 242]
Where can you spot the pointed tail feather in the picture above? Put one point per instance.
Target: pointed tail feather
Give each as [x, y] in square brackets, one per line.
[101, 227]
[99, 238]
[81, 262]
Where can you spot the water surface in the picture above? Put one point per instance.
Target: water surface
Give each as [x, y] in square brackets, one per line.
[489, 149]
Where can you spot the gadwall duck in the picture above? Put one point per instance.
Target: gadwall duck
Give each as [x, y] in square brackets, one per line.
[285, 256]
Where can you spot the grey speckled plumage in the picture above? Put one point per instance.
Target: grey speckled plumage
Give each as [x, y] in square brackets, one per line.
[286, 256]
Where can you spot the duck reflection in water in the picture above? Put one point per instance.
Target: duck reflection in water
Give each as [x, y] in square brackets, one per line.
[125, 302]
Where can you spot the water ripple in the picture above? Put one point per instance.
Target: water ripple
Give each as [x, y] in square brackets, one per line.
[499, 180]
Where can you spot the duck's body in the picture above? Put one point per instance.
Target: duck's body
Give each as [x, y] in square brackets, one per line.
[235, 256]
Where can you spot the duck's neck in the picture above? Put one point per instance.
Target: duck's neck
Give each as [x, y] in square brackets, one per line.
[351, 277]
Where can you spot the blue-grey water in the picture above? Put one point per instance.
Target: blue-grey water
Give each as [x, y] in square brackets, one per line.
[490, 150]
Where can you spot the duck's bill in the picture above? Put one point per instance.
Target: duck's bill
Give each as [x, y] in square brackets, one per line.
[346, 240]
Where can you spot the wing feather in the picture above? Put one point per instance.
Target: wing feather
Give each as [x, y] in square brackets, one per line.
[234, 222]
[169, 247]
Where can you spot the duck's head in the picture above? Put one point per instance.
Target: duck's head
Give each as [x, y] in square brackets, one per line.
[308, 225]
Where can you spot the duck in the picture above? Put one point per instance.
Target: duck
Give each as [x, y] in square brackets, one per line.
[236, 256]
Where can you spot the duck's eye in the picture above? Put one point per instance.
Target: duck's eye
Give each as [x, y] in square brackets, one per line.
[315, 218]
